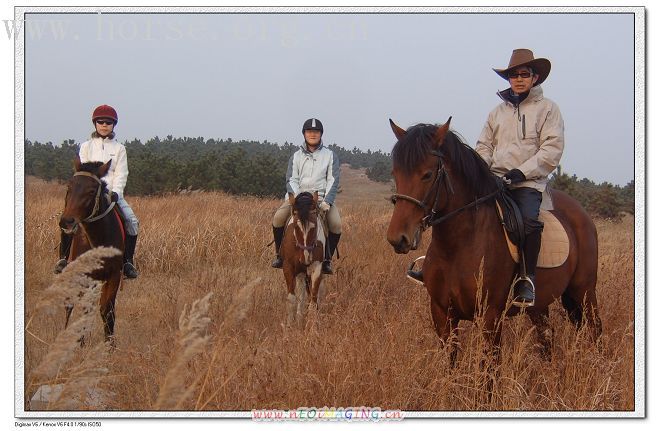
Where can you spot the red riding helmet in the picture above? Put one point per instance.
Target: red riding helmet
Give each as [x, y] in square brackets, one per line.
[105, 111]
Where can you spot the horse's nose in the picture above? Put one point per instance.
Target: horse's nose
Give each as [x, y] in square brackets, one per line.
[66, 222]
[401, 244]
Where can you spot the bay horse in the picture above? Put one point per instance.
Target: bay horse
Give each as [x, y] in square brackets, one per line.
[302, 252]
[444, 183]
[94, 220]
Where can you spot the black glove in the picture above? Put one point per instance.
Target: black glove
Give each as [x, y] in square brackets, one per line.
[514, 176]
[114, 197]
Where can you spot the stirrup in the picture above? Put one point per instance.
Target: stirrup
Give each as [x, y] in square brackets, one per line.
[410, 268]
[523, 304]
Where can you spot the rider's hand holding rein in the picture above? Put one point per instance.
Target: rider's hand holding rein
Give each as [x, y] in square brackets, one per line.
[324, 207]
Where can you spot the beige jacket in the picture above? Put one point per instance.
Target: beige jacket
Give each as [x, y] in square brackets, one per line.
[529, 137]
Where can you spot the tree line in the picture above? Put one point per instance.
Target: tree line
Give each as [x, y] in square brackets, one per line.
[173, 164]
[604, 200]
[259, 168]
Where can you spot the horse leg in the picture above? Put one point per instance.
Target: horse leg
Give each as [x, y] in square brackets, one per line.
[290, 279]
[316, 285]
[301, 297]
[544, 333]
[583, 308]
[445, 324]
[68, 309]
[492, 333]
[107, 309]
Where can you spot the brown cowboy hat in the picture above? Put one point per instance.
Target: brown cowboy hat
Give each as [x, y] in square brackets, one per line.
[525, 57]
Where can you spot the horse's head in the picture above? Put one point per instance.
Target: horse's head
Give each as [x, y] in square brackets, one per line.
[418, 171]
[83, 195]
[305, 220]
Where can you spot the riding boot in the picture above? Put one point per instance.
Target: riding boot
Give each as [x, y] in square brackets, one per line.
[523, 293]
[65, 248]
[278, 234]
[129, 268]
[331, 246]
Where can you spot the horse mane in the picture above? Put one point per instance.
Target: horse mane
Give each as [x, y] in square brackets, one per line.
[409, 152]
[93, 168]
[303, 205]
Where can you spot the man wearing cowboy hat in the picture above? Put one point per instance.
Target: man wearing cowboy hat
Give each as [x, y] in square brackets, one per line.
[522, 141]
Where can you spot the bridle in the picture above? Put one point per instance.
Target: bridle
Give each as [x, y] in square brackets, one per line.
[303, 247]
[94, 215]
[430, 212]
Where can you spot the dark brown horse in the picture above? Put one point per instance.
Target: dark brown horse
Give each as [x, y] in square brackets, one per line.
[442, 182]
[94, 220]
[302, 254]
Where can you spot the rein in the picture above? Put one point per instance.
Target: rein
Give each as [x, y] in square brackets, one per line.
[430, 218]
[93, 216]
[304, 247]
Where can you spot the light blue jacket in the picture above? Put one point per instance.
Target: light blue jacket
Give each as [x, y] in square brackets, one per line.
[310, 172]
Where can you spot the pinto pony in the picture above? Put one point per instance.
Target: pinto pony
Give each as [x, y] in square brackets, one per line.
[443, 183]
[93, 219]
[302, 253]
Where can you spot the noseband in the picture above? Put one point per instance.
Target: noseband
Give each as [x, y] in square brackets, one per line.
[430, 213]
[434, 191]
[94, 215]
[302, 246]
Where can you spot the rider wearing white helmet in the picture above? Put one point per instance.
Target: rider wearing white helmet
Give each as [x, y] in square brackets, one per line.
[313, 167]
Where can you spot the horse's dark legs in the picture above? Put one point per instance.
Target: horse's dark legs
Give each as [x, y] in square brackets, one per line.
[445, 323]
[68, 310]
[583, 309]
[544, 333]
[108, 296]
[492, 332]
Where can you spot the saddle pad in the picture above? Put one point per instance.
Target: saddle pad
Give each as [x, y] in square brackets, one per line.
[554, 242]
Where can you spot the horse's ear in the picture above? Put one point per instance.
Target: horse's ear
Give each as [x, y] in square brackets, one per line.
[398, 131]
[441, 132]
[292, 198]
[316, 196]
[76, 163]
[104, 169]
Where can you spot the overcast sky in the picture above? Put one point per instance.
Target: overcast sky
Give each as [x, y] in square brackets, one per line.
[260, 76]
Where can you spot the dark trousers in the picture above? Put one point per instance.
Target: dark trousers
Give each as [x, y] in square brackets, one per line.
[529, 202]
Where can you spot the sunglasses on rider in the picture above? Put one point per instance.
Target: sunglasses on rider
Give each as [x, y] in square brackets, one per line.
[105, 122]
[514, 75]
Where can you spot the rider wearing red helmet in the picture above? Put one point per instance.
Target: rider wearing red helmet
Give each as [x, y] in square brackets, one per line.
[102, 147]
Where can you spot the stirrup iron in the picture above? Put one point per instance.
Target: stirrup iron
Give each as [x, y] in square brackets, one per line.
[411, 267]
[513, 290]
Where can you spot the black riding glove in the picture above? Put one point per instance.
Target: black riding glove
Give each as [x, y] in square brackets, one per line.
[514, 176]
[114, 197]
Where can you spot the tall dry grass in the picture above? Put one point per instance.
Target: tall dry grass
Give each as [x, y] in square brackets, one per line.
[373, 344]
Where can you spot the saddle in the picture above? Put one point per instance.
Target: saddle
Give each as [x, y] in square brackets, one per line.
[554, 239]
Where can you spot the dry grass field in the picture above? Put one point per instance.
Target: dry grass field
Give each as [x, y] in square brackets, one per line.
[371, 345]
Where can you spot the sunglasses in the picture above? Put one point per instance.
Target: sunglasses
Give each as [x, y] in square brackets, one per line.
[514, 75]
[105, 122]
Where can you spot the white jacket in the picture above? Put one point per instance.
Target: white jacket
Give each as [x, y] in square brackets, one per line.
[102, 150]
[314, 171]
